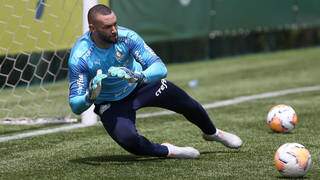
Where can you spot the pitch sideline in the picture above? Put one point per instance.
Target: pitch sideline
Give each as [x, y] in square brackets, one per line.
[212, 105]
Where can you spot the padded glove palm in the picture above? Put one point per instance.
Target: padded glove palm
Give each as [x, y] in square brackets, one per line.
[95, 85]
[127, 74]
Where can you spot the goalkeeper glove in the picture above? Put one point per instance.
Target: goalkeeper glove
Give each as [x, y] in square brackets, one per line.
[95, 85]
[127, 74]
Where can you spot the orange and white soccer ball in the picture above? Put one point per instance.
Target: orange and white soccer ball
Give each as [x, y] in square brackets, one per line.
[292, 160]
[282, 118]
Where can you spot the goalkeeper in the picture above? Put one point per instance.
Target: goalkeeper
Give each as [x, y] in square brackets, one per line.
[112, 67]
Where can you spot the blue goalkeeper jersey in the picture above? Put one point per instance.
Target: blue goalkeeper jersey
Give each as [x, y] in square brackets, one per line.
[86, 58]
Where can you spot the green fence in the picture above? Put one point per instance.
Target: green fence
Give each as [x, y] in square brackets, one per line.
[167, 20]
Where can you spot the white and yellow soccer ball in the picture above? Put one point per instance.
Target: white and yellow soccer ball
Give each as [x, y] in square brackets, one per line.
[292, 160]
[282, 118]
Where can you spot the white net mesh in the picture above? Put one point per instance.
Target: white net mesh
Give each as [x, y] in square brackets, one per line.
[35, 38]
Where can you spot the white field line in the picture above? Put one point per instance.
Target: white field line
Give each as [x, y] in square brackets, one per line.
[217, 104]
[240, 99]
[41, 132]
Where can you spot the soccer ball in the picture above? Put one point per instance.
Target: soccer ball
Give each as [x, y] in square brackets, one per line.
[292, 160]
[282, 118]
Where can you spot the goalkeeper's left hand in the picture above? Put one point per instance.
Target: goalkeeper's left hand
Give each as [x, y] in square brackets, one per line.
[127, 74]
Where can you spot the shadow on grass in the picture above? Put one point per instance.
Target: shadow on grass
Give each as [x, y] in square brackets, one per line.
[282, 177]
[222, 152]
[285, 133]
[131, 159]
[114, 159]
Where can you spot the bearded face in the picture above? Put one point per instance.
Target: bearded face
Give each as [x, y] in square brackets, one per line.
[107, 37]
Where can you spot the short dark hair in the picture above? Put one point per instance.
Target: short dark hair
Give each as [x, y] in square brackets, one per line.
[98, 9]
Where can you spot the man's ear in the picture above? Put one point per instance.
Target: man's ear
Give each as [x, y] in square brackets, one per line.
[91, 27]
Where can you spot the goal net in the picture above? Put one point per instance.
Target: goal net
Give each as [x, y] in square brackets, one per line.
[35, 41]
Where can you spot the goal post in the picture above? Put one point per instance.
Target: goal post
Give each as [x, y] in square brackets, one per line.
[88, 117]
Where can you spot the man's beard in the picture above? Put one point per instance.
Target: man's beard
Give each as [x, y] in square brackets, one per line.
[107, 39]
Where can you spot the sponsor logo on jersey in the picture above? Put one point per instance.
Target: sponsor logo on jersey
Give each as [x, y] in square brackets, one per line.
[87, 53]
[138, 57]
[119, 55]
[103, 108]
[163, 87]
[96, 62]
[80, 83]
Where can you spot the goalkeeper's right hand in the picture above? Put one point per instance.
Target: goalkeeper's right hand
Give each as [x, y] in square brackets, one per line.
[95, 85]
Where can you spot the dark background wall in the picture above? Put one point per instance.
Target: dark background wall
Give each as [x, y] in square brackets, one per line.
[183, 30]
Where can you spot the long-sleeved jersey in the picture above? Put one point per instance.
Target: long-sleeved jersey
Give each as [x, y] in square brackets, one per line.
[86, 58]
